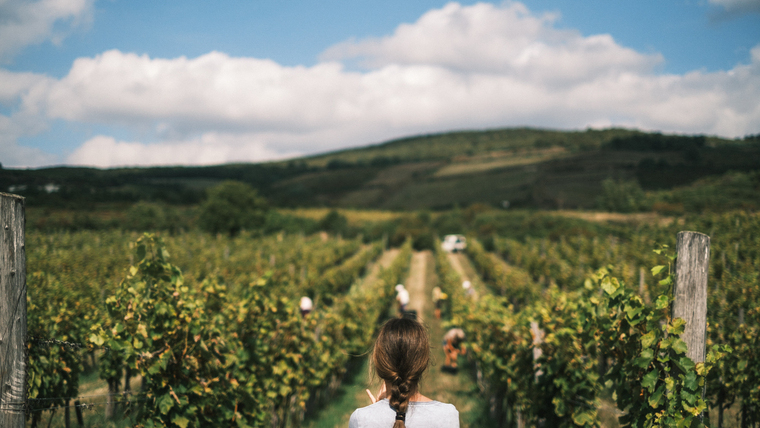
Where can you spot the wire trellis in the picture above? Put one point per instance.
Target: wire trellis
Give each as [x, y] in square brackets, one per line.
[55, 342]
[90, 404]
[82, 401]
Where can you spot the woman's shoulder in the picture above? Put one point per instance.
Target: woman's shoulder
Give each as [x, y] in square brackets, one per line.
[434, 414]
[437, 405]
[368, 413]
[430, 402]
[380, 405]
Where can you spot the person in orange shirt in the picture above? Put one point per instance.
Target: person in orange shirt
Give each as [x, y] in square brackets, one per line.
[453, 345]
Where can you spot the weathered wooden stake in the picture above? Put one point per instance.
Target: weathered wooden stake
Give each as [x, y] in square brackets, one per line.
[690, 290]
[78, 410]
[538, 338]
[111, 403]
[12, 312]
[723, 261]
[643, 285]
[66, 416]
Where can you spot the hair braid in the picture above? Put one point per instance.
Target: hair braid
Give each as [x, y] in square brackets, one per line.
[400, 358]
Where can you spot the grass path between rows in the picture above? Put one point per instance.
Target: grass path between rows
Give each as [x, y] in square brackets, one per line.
[460, 389]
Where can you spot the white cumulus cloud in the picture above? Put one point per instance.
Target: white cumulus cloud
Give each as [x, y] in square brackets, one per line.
[14, 127]
[212, 148]
[211, 91]
[24, 22]
[14, 85]
[506, 40]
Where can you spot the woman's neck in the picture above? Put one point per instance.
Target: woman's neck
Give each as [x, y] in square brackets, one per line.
[417, 397]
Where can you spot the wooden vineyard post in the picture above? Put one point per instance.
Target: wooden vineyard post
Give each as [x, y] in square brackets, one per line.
[690, 290]
[643, 292]
[78, 410]
[12, 312]
[538, 338]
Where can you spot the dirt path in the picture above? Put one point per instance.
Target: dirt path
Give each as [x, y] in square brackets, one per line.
[600, 217]
[416, 284]
[466, 271]
[384, 262]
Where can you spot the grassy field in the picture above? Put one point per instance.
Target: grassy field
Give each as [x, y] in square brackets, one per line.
[352, 215]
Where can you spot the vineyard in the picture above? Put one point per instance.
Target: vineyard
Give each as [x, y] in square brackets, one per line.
[193, 329]
[221, 340]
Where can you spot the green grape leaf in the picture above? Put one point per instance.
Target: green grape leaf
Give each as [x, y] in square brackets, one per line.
[649, 339]
[679, 346]
[662, 302]
[691, 381]
[649, 381]
[165, 403]
[656, 398]
[677, 326]
[181, 421]
[609, 286]
[585, 418]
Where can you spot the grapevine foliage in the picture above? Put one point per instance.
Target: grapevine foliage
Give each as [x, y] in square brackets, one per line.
[602, 336]
[208, 357]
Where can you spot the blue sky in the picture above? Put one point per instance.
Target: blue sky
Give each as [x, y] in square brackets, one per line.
[115, 82]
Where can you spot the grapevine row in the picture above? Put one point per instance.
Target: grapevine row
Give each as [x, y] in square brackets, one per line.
[72, 307]
[733, 298]
[599, 338]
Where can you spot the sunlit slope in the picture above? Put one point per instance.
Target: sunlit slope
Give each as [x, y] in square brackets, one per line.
[521, 167]
[465, 145]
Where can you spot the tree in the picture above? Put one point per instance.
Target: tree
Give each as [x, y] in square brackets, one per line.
[231, 207]
[334, 222]
[622, 196]
[148, 216]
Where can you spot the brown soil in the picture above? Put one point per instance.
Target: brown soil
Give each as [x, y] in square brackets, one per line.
[416, 283]
[652, 218]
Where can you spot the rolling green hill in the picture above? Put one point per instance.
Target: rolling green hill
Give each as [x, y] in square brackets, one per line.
[520, 167]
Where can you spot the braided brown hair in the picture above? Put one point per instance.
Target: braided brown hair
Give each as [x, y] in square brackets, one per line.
[400, 357]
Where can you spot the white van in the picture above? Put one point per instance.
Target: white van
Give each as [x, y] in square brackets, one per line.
[454, 243]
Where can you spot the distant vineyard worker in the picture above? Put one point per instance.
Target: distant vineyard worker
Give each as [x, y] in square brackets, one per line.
[468, 290]
[453, 345]
[402, 297]
[306, 306]
[439, 297]
[400, 357]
